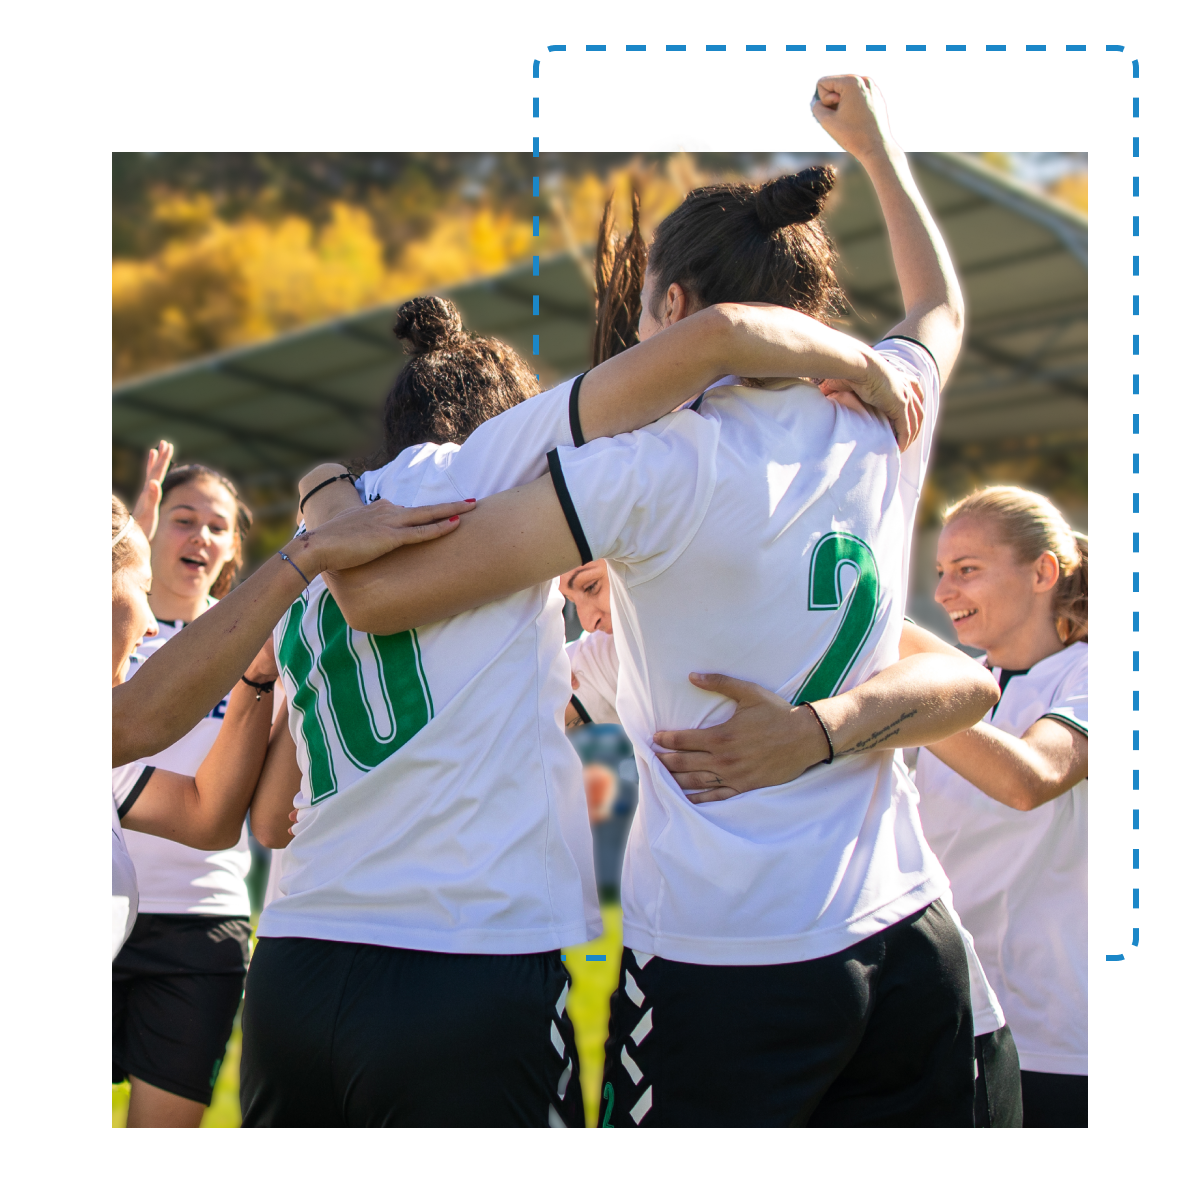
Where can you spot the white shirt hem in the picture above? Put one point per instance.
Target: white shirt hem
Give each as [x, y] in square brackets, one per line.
[464, 941]
[767, 951]
[199, 909]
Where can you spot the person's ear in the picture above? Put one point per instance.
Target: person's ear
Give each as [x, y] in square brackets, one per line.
[1046, 572]
[674, 306]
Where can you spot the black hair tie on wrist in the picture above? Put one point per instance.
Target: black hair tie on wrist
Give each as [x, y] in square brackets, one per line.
[263, 689]
[824, 729]
[326, 483]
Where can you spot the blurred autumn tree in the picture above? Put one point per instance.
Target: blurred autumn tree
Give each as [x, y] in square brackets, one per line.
[211, 251]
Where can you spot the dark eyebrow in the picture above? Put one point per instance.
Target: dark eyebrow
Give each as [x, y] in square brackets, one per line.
[189, 507]
[961, 557]
[571, 577]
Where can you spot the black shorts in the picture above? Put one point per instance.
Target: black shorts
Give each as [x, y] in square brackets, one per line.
[177, 983]
[877, 1034]
[1054, 1101]
[997, 1081]
[341, 1033]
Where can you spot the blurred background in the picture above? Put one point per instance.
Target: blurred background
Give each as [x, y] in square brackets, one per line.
[253, 297]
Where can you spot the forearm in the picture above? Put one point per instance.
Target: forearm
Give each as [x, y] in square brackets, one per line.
[226, 779]
[925, 697]
[919, 252]
[274, 797]
[188, 676]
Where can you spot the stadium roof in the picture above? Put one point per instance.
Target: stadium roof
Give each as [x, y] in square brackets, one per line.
[266, 412]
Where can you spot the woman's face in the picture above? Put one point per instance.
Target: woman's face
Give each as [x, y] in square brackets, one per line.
[587, 587]
[195, 538]
[987, 594]
[132, 618]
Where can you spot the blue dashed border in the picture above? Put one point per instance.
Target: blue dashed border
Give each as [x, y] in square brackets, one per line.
[1030, 48]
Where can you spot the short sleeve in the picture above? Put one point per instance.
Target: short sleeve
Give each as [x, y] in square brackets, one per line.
[639, 498]
[510, 449]
[1070, 701]
[911, 358]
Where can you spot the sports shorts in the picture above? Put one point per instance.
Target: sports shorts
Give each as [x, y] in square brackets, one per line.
[877, 1034]
[177, 983]
[347, 1034]
[997, 1081]
[1054, 1101]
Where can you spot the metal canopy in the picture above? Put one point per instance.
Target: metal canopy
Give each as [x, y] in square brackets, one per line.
[266, 412]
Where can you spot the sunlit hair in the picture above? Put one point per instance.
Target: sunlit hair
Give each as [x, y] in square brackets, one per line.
[123, 553]
[1032, 526]
[178, 477]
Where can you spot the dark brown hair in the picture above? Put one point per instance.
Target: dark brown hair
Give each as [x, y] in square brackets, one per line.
[620, 273]
[177, 477]
[751, 241]
[452, 382]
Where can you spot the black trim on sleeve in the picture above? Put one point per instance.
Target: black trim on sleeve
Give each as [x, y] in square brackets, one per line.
[584, 716]
[900, 337]
[573, 412]
[699, 400]
[134, 792]
[1063, 719]
[568, 507]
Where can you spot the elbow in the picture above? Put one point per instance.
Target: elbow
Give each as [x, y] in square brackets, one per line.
[268, 833]
[219, 837]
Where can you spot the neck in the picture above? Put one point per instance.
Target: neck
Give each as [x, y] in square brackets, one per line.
[169, 606]
[1024, 647]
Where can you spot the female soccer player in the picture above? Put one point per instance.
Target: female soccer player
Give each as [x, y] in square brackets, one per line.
[421, 879]
[1004, 804]
[178, 979]
[788, 959]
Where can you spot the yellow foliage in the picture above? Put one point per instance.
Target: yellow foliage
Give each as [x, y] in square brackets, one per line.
[1072, 190]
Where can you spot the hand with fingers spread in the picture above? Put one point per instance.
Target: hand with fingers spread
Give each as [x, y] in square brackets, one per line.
[766, 742]
[368, 531]
[145, 511]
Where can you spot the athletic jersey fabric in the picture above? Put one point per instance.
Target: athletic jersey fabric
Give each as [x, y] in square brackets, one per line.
[442, 806]
[124, 876]
[593, 658]
[175, 878]
[1020, 878]
[765, 536]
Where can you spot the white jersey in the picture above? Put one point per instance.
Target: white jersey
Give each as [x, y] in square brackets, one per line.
[593, 658]
[172, 877]
[127, 784]
[1020, 878]
[442, 806]
[764, 534]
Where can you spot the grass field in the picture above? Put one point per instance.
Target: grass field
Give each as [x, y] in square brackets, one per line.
[587, 1004]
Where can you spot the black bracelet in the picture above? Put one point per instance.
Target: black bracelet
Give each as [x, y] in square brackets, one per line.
[331, 479]
[824, 729]
[263, 689]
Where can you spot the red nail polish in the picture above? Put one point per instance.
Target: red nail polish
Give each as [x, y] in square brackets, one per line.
[453, 519]
[469, 500]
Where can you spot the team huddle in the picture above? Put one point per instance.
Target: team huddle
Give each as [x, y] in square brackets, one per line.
[811, 936]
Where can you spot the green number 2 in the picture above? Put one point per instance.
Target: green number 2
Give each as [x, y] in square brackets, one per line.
[859, 606]
[346, 661]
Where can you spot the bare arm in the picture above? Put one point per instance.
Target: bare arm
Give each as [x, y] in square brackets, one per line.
[207, 812]
[277, 787]
[511, 541]
[851, 110]
[931, 690]
[190, 674]
[1023, 773]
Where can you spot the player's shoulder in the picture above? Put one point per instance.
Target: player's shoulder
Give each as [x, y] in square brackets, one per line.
[399, 479]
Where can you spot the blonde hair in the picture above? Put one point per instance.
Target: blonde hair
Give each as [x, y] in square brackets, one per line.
[1032, 526]
[122, 552]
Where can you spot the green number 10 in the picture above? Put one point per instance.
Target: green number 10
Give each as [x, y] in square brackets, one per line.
[831, 553]
[353, 667]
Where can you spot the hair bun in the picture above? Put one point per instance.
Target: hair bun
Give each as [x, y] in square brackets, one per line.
[794, 199]
[427, 323]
